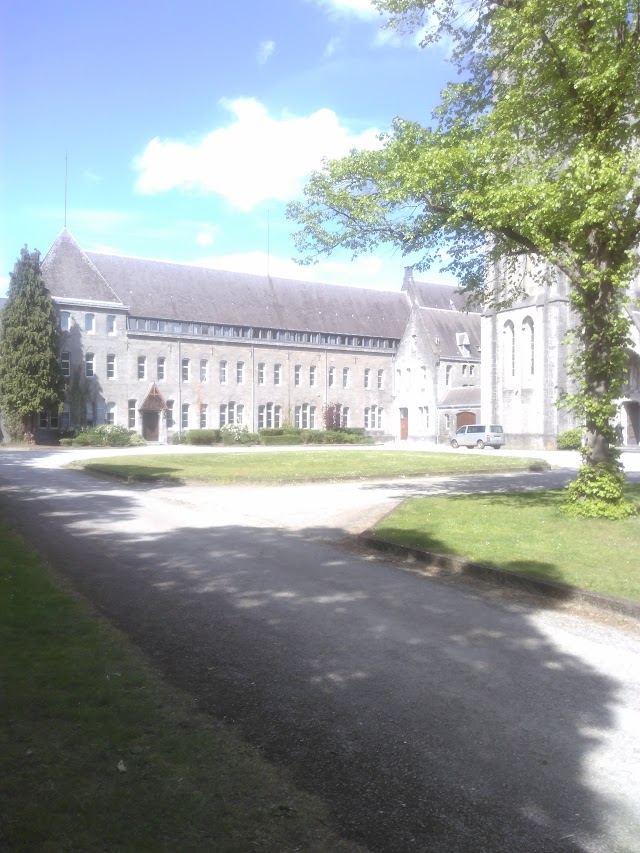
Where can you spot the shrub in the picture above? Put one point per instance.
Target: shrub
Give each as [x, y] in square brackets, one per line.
[269, 431]
[598, 492]
[570, 439]
[269, 440]
[107, 435]
[203, 436]
[179, 438]
[238, 434]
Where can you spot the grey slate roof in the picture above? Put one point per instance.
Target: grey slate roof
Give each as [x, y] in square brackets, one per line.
[68, 273]
[445, 325]
[440, 296]
[468, 395]
[178, 292]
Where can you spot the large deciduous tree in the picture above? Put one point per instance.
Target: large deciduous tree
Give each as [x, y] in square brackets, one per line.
[31, 378]
[534, 152]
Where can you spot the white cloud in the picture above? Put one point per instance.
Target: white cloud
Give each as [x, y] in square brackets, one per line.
[265, 50]
[361, 8]
[254, 158]
[332, 46]
[206, 236]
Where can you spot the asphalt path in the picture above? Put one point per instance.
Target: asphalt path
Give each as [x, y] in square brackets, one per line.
[429, 715]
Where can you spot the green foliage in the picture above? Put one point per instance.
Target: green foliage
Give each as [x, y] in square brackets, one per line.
[203, 436]
[179, 438]
[107, 435]
[238, 434]
[331, 436]
[281, 440]
[31, 378]
[598, 492]
[570, 439]
[532, 162]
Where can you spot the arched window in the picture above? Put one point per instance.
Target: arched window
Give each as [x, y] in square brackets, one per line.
[509, 349]
[528, 346]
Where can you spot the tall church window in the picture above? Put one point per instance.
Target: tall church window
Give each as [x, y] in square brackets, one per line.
[528, 349]
[509, 338]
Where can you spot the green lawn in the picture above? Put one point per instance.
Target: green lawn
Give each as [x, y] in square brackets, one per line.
[97, 754]
[524, 532]
[297, 467]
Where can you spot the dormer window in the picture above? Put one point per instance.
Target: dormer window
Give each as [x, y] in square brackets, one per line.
[462, 340]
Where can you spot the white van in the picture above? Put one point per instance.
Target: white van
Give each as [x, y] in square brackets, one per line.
[479, 435]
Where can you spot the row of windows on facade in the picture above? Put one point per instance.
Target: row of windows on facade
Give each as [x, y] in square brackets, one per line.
[175, 327]
[405, 378]
[269, 416]
[223, 371]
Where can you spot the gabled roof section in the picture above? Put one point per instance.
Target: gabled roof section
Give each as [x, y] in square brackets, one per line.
[69, 273]
[154, 401]
[467, 395]
[441, 296]
[171, 291]
[444, 328]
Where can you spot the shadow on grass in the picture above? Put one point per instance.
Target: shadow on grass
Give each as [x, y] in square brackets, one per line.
[405, 703]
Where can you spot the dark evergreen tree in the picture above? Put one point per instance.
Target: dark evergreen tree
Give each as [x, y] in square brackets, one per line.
[31, 378]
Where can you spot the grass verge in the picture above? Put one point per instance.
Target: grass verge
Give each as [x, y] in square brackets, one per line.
[97, 754]
[293, 467]
[524, 532]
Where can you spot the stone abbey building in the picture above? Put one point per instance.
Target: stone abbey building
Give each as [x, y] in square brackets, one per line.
[163, 348]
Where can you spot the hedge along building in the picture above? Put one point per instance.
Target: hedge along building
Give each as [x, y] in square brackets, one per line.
[162, 348]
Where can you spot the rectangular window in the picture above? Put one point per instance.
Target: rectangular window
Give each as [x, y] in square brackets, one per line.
[223, 372]
[367, 377]
[277, 374]
[312, 375]
[261, 374]
[53, 420]
[170, 420]
[65, 321]
[312, 417]
[44, 420]
[379, 418]
[240, 372]
[297, 414]
[296, 374]
[89, 416]
[89, 323]
[261, 410]
[185, 416]
[142, 367]
[203, 416]
[345, 377]
[305, 416]
[161, 368]
[111, 413]
[111, 324]
[345, 417]
[204, 370]
[380, 379]
[132, 414]
[332, 377]
[65, 363]
[366, 417]
[111, 366]
[186, 368]
[88, 364]
[269, 415]
[276, 416]
[240, 414]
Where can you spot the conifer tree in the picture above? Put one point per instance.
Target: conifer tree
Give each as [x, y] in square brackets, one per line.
[31, 378]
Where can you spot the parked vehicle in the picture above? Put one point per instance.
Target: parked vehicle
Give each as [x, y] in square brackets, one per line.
[479, 435]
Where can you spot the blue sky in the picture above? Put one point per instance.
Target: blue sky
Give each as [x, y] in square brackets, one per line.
[190, 124]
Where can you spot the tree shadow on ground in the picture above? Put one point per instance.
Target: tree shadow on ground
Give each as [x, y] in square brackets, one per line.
[428, 717]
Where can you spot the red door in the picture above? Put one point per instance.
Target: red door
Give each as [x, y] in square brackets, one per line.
[464, 418]
[404, 424]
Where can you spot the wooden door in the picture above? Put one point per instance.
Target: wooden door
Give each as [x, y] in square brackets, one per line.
[150, 426]
[404, 424]
[464, 418]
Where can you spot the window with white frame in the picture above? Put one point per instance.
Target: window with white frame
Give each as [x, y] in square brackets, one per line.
[261, 373]
[204, 370]
[186, 369]
[296, 374]
[471, 369]
[65, 321]
[88, 364]
[332, 377]
[312, 417]
[89, 323]
[380, 379]
[131, 409]
[142, 367]
[65, 364]
[170, 421]
[344, 419]
[277, 374]
[203, 416]
[261, 416]
[447, 421]
[367, 377]
[185, 416]
[111, 324]
[161, 368]
[240, 372]
[223, 372]
[447, 374]
[277, 415]
[111, 366]
[367, 416]
[111, 413]
[89, 413]
[313, 371]
[240, 414]
[345, 377]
